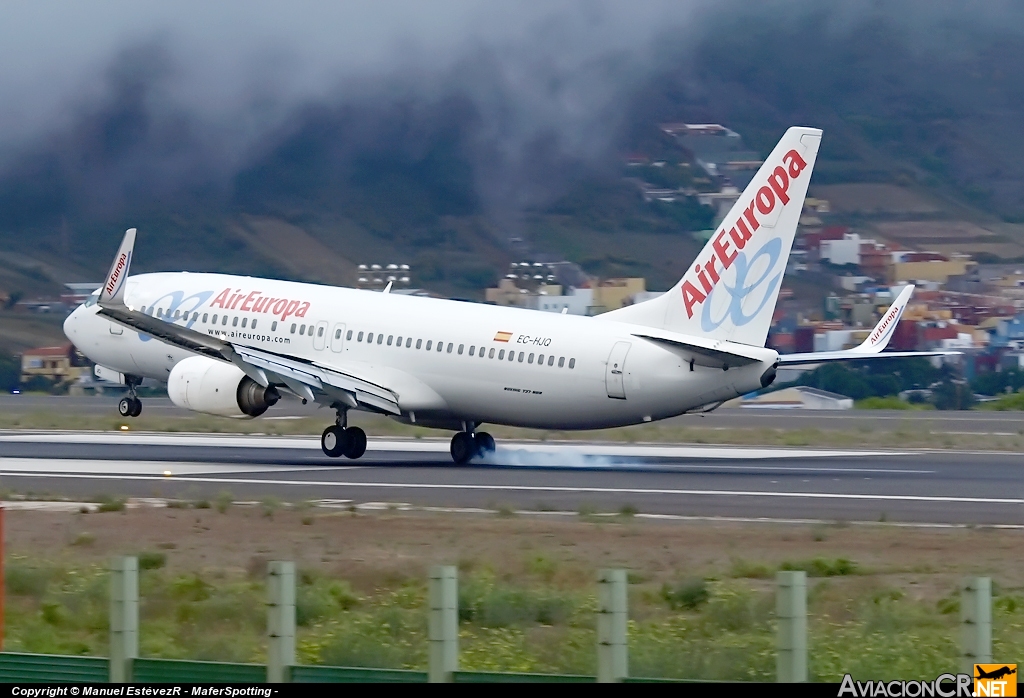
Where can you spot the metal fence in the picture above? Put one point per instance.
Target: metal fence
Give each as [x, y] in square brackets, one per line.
[125, 665]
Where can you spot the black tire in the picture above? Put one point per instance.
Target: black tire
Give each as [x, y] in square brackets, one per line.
[484, 443]
[463, 448]
[356, 443]
[125, 407]
[333, 441]
[136, 407]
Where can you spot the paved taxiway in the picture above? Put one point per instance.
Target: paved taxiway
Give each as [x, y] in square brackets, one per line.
[866, 421]
[703, 481]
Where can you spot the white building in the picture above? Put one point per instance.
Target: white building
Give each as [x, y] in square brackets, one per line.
[845, 251]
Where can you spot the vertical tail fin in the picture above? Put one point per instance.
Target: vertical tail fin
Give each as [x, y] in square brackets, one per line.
[729, 292]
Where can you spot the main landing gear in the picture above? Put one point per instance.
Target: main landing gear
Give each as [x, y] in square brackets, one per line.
[466, 445]
[341, 440]
[130, 406]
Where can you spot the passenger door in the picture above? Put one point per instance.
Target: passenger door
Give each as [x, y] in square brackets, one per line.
[613, 377]
[338, 337]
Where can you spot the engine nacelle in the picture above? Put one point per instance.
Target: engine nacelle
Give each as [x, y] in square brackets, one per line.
[206, 385]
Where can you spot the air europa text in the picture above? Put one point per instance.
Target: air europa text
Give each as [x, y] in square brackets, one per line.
[727, 243]
[255, 302]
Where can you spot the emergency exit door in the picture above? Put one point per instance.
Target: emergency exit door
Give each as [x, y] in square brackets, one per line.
[616, 371]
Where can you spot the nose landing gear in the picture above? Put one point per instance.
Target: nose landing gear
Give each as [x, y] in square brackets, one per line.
[341, 440]
[130, 406]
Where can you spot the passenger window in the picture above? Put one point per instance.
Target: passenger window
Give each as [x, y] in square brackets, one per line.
[143, 309]
[391, 338]
[195, 316]
[530, 360]
[302, 329]
[245, 321]
[483, 353]
[359, 337]
[521, 354]
[572, 363]
[349, 335]
[461, 347]
[398, 342]
[234, 321]
[206, 316]
[224, 320]
[253, 326]
[551, 360]
[369, 338]
[501, 355]
[293, 328]
[159, 312]
[429, 342]
[540, 360]
[380, 339]
[273, 326]
[561, 361]
[215, 319]
[320, 332]
[419, 343]
[471, 350]
[408, 342]
[490, 354]
[337, 334]
[440, 346]
[450, 346]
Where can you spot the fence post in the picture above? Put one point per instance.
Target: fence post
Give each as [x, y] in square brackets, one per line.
[612, 616]
[975, 622]
[791, 611]
[124, 617]
[443, 624]
[280, 621]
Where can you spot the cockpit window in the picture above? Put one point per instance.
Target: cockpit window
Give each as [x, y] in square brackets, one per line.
[92, 299]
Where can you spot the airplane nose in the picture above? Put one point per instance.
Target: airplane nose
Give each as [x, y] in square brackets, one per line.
[71, 325]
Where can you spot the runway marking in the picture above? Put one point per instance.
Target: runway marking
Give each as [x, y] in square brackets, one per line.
[158, 467]
[547, 488]
[580, 448]
[73, 467]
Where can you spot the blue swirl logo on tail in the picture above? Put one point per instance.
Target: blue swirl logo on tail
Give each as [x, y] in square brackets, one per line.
[772, 249]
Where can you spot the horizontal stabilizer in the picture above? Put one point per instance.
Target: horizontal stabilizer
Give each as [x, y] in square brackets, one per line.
[870, 348]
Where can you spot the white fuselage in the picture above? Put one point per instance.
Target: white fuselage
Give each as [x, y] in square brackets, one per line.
[601, 375]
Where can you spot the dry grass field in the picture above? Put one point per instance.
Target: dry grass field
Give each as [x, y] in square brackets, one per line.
[883, 599]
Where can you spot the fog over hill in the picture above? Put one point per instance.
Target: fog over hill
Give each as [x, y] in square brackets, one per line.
[439, 130]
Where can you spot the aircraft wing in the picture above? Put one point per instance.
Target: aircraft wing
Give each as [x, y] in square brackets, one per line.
[306, 379]
[870, 348]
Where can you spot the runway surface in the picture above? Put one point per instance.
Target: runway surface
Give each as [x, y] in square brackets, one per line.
[673, 481]
[938, 422]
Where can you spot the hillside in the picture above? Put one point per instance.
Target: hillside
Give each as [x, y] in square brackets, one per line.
[924, 104]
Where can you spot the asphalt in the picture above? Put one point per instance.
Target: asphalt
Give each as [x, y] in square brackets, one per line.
[830, 485]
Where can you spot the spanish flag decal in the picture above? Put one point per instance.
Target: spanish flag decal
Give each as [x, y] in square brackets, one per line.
[502, 336]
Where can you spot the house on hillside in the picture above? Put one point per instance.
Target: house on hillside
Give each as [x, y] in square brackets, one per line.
[61, 364]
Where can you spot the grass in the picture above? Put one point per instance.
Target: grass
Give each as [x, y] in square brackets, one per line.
[540, 622]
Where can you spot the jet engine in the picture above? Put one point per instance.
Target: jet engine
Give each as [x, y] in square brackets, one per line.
[206, 385]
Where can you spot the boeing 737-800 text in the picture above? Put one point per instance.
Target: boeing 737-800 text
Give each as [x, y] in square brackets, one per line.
[230, 345]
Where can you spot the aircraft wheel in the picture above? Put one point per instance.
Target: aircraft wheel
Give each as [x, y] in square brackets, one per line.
[136, 407]
[334, 441]
[484, 443]
[356, 442]
[125, 407]
[463, 448]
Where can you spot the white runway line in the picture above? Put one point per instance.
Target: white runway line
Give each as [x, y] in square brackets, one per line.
[553, 488]
[392, 445]
[47, 467]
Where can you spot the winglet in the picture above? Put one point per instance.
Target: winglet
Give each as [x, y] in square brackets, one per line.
[112, 293]
[880, 336]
